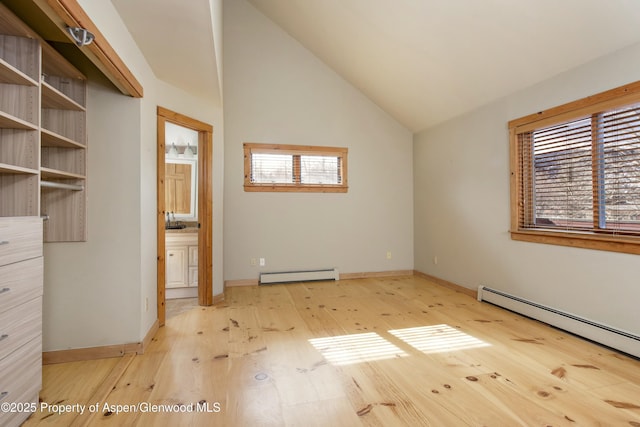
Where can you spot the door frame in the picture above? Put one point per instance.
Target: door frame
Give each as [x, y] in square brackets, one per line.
[205, 206]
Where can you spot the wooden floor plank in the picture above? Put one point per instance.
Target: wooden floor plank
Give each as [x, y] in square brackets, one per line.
[370, 352]
[69, 383]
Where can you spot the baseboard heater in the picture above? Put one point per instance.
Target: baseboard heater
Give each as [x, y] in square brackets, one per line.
[603, 334]
[299, 276]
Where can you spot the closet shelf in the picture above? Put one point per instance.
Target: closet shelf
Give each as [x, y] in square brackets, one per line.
[18, 170]
[7, 121]
[53, 98]
[13, 76]
[48, 173]
[54, 64]
[52, 139]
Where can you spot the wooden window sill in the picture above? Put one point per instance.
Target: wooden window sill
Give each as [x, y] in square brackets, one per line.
[586, 240]
[283, 188]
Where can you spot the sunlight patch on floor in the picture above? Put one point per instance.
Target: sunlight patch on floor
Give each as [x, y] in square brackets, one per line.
[437, 338]
[356, 348]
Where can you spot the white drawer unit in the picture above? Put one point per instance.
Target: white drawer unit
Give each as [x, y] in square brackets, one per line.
[21, 276]
[20, 282]
[20, 325]
[20, 380]
[20, 239]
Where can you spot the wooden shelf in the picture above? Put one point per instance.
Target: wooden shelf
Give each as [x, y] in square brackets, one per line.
[53, 98]
[48, 173]
[12, 169]
[52, 139]
[11, 75]
[54, 64]
[7, 121]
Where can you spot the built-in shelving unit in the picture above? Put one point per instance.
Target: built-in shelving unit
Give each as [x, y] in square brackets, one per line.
[19, 125]
[63, 149]
[42, 133]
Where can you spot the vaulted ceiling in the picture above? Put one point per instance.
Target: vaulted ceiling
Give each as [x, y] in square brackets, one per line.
[422, 61]
[177, 38]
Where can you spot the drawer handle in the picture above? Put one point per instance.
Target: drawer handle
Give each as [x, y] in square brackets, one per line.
[4, 394]
[4, 290]
[4, 337]
[170, 254]
[4, 242]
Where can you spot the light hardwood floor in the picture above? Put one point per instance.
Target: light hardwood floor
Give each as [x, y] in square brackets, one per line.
[178, 306]
[372, 352]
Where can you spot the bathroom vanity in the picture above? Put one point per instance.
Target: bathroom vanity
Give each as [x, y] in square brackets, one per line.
[181, 247]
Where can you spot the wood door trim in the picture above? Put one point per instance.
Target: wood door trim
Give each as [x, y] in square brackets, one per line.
[205, 206]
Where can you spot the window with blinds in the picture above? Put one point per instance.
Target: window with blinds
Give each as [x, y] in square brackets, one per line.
[277, 167]
[576, 174]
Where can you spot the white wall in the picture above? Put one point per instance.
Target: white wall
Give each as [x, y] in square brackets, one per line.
[275, 91]
[93, 289]
[96, 291]
[462, 207]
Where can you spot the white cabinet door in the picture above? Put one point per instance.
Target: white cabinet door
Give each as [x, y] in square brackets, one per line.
[193, 276]
[193, 256]
[177, 267]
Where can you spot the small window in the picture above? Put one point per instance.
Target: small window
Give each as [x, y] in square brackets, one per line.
[277, 167]
[575, 174]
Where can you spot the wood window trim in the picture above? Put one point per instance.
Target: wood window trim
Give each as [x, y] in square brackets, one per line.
[295, 150]
[620, 96]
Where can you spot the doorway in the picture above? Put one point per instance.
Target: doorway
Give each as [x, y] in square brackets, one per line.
[192, 202]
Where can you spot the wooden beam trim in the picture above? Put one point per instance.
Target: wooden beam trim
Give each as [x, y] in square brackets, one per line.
[218, 298]
[101, 352]
[245, 282]
[79, 354]
[343, 276]
[73, 15]
[160, 222]
[151, 333]
[445, 283]
[585, 106]
[610, 243]
[184, 120]
[374, 274]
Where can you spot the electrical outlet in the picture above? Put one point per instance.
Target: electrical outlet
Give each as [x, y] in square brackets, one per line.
[262, 262]
[388, 254]
[435, 259]
[146, 304]
[254, 262]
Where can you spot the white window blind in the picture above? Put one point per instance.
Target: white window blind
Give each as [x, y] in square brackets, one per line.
[320, 170]
[277, 167]
[271, 168]
[619, 131]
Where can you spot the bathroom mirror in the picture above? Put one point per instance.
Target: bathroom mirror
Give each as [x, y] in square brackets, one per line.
[181, 172]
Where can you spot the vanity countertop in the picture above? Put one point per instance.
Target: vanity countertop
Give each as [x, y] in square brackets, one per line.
[183, 230]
